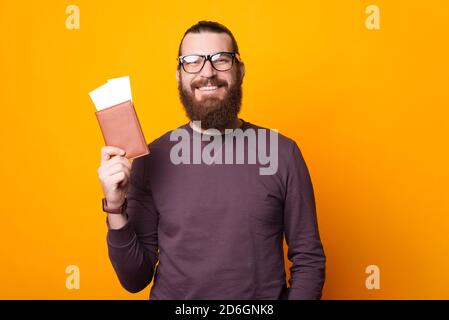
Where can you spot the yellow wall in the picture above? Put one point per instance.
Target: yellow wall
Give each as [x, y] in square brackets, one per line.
[368, 108]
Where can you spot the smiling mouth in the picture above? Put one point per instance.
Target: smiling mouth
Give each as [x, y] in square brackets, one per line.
[207, 88]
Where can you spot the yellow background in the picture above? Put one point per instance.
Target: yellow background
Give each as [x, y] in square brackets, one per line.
[369, 110]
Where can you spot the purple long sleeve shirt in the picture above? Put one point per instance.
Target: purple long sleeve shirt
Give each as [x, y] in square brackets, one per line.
[215, 231]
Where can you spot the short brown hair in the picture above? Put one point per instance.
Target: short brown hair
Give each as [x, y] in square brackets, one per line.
[209, 26]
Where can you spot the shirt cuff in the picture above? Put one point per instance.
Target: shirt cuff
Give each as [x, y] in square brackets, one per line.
[302, 294]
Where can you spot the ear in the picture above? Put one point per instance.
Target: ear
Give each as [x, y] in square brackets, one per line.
[177, 74]
[242, 70]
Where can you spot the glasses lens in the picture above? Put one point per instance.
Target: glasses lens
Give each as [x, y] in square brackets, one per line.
[222, 61]
[192, 63]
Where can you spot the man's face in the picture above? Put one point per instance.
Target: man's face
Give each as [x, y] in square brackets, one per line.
[211, 96]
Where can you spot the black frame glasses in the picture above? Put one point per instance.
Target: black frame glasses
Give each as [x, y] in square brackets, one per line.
[210, 57]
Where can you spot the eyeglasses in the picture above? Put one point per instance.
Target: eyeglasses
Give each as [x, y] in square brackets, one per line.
[220, 61]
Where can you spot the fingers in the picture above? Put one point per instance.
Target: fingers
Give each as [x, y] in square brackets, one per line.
[111, 178]
[111, 155]
[117, 159]
[114, 171]
[118, 178]
[107, 152]
[118, 167]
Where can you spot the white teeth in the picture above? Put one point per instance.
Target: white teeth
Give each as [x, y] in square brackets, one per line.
[208, 88]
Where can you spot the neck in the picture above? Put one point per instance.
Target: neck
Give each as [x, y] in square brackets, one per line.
[237, 123]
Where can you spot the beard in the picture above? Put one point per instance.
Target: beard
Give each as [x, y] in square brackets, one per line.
[211, 111]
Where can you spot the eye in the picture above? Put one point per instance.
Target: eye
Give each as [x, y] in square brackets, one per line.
[192, 59]
[221, 58]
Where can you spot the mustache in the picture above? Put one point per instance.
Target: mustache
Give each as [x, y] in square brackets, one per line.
[208, 82]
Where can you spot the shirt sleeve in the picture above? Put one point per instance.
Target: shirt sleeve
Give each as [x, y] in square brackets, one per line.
[305, 249]
[133, 249]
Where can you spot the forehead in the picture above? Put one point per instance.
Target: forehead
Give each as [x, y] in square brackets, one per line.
[206, 43]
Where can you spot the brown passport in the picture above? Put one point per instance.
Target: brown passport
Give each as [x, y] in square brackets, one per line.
[121, 128]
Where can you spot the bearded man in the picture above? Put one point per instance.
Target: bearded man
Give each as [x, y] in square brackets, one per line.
[213, 231]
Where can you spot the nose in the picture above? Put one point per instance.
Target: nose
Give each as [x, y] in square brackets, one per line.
[208, 71]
